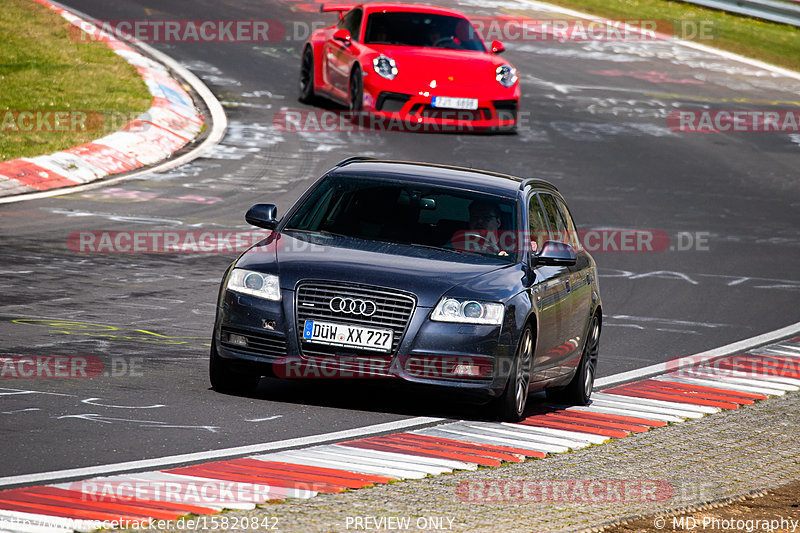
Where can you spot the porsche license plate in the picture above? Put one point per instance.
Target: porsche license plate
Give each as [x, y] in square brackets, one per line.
[454, 103]
[346, 335]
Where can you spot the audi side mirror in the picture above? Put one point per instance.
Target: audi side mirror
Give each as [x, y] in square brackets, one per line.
[262, 215]
[554, 253]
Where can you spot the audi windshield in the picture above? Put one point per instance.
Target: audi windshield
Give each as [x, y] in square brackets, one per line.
[403, 213]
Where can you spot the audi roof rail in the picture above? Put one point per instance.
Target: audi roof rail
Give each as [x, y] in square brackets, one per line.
[535, 181]
[353, 159]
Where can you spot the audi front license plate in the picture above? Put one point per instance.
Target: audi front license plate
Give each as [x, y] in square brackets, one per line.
[344, 335]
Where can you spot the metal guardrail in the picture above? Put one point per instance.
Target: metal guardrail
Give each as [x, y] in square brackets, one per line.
[782, 12]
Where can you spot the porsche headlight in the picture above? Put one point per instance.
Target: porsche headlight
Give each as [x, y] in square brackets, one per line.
[255, 284]
[468, 312]
[385, 66]
[506, 75]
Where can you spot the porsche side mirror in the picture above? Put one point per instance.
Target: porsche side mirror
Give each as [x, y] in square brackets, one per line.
[263, 216]
[498, 47]
[343, 36]
[554, 253]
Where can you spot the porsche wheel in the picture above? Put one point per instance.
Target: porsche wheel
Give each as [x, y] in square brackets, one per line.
[356, 89]
[307, 76]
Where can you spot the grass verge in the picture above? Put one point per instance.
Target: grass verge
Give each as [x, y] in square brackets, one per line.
[44, 69]
[778, 44]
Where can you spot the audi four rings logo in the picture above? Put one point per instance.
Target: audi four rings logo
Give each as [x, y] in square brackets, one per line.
[352, 306]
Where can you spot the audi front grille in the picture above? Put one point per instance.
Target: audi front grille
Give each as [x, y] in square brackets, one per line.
[393, 310]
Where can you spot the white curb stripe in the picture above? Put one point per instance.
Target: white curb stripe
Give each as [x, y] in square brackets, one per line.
[318, 459]
[722, 384]
[405, 464]
[491, 440]
[483, 436]
[572, 435]
[528, 436]
[625, 403]
[707, 409]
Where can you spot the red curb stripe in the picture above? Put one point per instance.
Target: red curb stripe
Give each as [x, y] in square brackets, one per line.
[77, 498]
[92, 512]
[734, 395]
[621, 418]
[344, 474]
[635, 428]
[575, 426]
[105, 158]
[413, 450]
[289, 473]
[277, 482]
[683, 393]
[158, 504]
[33, 175]
[65, 512]
[675, 398]
[225, 468]
[455, 447]
[478, 445]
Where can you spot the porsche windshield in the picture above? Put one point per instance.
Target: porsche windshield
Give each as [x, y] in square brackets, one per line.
[414, 214]
[422, 29]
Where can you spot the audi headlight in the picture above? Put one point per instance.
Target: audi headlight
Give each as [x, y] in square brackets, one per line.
[468, 312]
[385, 66]
[506, 75]
[255, 284]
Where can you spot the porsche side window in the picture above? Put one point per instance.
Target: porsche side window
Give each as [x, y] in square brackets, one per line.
[352, 23]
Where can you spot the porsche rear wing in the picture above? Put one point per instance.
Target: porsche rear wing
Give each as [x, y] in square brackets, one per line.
[341, 8]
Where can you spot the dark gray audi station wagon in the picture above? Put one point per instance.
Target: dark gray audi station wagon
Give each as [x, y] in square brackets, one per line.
[442, 276]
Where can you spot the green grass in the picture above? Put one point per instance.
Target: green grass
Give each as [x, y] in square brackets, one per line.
[778, 44]
[43, 68]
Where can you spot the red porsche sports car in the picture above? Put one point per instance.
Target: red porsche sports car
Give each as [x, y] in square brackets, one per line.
[416, 64]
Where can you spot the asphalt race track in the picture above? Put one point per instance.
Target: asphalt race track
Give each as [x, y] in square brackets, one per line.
[594, 123]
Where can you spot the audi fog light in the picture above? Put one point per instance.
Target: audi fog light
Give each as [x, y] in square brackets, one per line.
[468, 312]
[255, 284]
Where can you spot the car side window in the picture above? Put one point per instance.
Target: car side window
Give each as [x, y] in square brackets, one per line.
[574, 240]
[558, 227]
[352, 22]
[537, 223]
